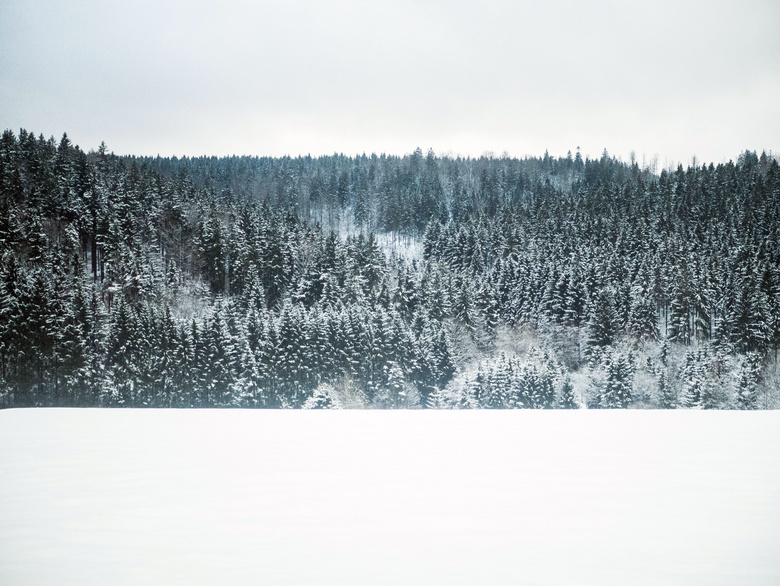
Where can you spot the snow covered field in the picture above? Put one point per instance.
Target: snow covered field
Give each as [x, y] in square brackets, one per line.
[382, 497]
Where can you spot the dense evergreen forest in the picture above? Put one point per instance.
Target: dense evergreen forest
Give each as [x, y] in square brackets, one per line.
[385, 281]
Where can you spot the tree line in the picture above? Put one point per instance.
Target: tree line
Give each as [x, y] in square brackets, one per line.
[282, 282]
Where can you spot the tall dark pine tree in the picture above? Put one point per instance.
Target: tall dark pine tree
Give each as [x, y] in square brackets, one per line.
[747, 383]
[603, 326]
[617, 390]
[680, 309]
[749, 319]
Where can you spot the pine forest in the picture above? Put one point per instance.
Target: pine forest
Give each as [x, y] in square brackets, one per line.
[381, 281]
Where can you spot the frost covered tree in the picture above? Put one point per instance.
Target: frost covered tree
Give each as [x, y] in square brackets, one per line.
[566, 398]
[692, 382]
[603, 325]
[747, 383]
[617, 390]
[666, 396]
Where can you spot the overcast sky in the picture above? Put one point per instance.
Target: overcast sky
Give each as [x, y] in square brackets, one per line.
[672, 78]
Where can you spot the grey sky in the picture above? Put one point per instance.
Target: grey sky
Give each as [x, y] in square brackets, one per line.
[669, 78]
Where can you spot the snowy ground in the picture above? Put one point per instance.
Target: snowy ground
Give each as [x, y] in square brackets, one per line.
[373, 497]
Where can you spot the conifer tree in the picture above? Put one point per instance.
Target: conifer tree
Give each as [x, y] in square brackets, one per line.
[666, 400]
[680, 309]
[617, 390]
[692, 382]
[566, 399]
[603, 325]
[747, 383]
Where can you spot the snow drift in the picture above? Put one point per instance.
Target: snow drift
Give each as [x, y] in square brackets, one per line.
[381, 497]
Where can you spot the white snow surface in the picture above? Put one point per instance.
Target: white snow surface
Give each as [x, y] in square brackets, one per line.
[383, 497]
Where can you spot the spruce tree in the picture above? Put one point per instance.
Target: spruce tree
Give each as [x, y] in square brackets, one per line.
[566, 399]
[747, 383]
[603, 325]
